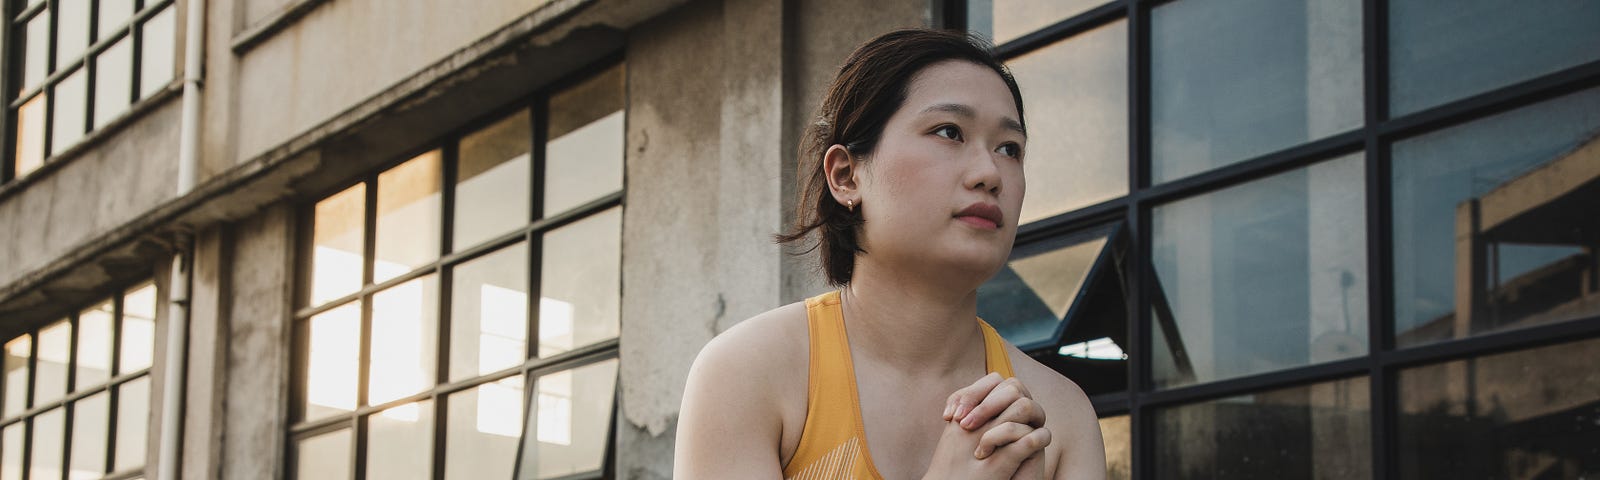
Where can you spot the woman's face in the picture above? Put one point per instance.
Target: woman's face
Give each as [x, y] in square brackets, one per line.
[943, 188]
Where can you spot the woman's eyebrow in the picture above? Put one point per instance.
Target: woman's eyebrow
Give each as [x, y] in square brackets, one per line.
[969, 113]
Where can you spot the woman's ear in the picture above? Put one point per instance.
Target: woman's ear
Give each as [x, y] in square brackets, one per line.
[841, 168]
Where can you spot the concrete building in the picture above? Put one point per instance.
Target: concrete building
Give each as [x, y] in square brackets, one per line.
[312, 239]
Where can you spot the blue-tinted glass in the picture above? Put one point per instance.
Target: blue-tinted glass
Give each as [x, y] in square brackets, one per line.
[1445, 50]
[1494, 224]
[1004, 20]
[1027, 301]
[1320, 431]
[1262, 276]
[1235, 79]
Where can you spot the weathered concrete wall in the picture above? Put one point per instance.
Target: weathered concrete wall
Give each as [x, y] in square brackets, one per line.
[257, 336]
[203, 393]
[345, 51]
[129, 173]
[715, 94]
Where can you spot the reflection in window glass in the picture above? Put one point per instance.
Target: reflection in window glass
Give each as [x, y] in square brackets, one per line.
[1481, 45]
[1117, 433]
[138, 329]
[1311, 432]
[50, 369]
[68, 114]
[408, 216]
[30, 135]
[94, 346]
[72, 30]
[1526, 414]
[155, 57]
[1234, 79]
[11, 452]
[1005, 20]
[47, 441]
[584, 150]
[37, 51]
[337, 244]
[1027, 301]
[90, 417]
[1262, 276]
[18, 351]
[400, 442]
[133, 423]
[1493, 222]
[323, 457]
[492, 181]
[331, 370]
[481, 431]
[113, 15]
[405, 322]
[1077, 90]
[489, 313]
[582, 302]
[569, 422]
[113, 83]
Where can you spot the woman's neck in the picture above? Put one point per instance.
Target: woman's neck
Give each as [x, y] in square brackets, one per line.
[910, 321]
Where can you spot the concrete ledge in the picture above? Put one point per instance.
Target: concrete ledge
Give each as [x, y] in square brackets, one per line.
[266, 28]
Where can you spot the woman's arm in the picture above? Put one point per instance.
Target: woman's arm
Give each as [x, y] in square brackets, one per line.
[729, 425]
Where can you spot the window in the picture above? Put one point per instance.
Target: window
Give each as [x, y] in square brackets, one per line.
[1358, 232]
[90, 371]
[462, 307]
[83, 64]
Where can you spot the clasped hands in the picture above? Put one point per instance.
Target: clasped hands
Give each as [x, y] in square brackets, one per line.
[993, 430]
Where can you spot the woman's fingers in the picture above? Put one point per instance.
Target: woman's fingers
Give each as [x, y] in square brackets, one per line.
[964, 399]
[1000, 436]
[1012, 454]
[998, 400]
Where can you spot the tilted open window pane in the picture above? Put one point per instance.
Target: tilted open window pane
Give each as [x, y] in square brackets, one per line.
[569, 422]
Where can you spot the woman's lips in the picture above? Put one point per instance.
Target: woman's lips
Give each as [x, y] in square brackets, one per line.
[979, 222]
[981, 215]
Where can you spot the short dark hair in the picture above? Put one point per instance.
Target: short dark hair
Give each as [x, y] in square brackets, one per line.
[869, 88]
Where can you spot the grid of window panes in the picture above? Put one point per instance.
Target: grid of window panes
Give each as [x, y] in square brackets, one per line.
[1312, 239]
[76, 66]
[75, 396]
[463, 306]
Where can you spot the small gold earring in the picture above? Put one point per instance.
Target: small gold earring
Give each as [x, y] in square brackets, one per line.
[850, 204]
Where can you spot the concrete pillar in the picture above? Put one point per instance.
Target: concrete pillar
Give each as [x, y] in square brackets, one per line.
[257, 335]
[208, 301]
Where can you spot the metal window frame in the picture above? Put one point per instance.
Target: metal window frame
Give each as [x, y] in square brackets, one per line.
[1383, 362]
[535, 105]
[67, 403]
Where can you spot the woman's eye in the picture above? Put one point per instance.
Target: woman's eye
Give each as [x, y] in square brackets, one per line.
[948, 131]
[1011, 150]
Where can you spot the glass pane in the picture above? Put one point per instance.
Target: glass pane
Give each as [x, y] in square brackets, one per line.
[492, 191]
[569, 422]
[49, 430]
[50, 369]
[489, 313]
[331, 372]
[338, 239]
[72, 30]
[18, 351]
[1527, 414]
[113, 15]
[1117, 433]
[90, 418]
[1005, 20]
[400, 442]
[482, 430]
[1481, 45]
[94, 346]
[1262, 276]
[30, 134]
[1076, 93]
[583, 158]
[1235, 79]
[138, 329]
[323, 457]
[408, 216]
[71, 107]
[1312, 432]
[405, 326]
[1027, 301]
[113, 83]
[36, 52]
[1493, 222]
[580, 296]
[133, 423]
[156, 55]
[11, 452]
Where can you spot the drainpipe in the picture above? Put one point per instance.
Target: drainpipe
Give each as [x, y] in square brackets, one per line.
[178, 289]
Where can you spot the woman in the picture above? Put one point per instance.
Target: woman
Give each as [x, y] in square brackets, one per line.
[913, 184]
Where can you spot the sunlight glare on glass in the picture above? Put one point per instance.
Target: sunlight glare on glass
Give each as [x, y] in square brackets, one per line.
[1102, 348]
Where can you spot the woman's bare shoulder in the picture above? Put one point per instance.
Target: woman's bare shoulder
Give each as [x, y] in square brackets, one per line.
[770, 339]
[1074, 426]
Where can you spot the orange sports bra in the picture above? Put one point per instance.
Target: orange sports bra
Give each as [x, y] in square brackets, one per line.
[833, 443]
